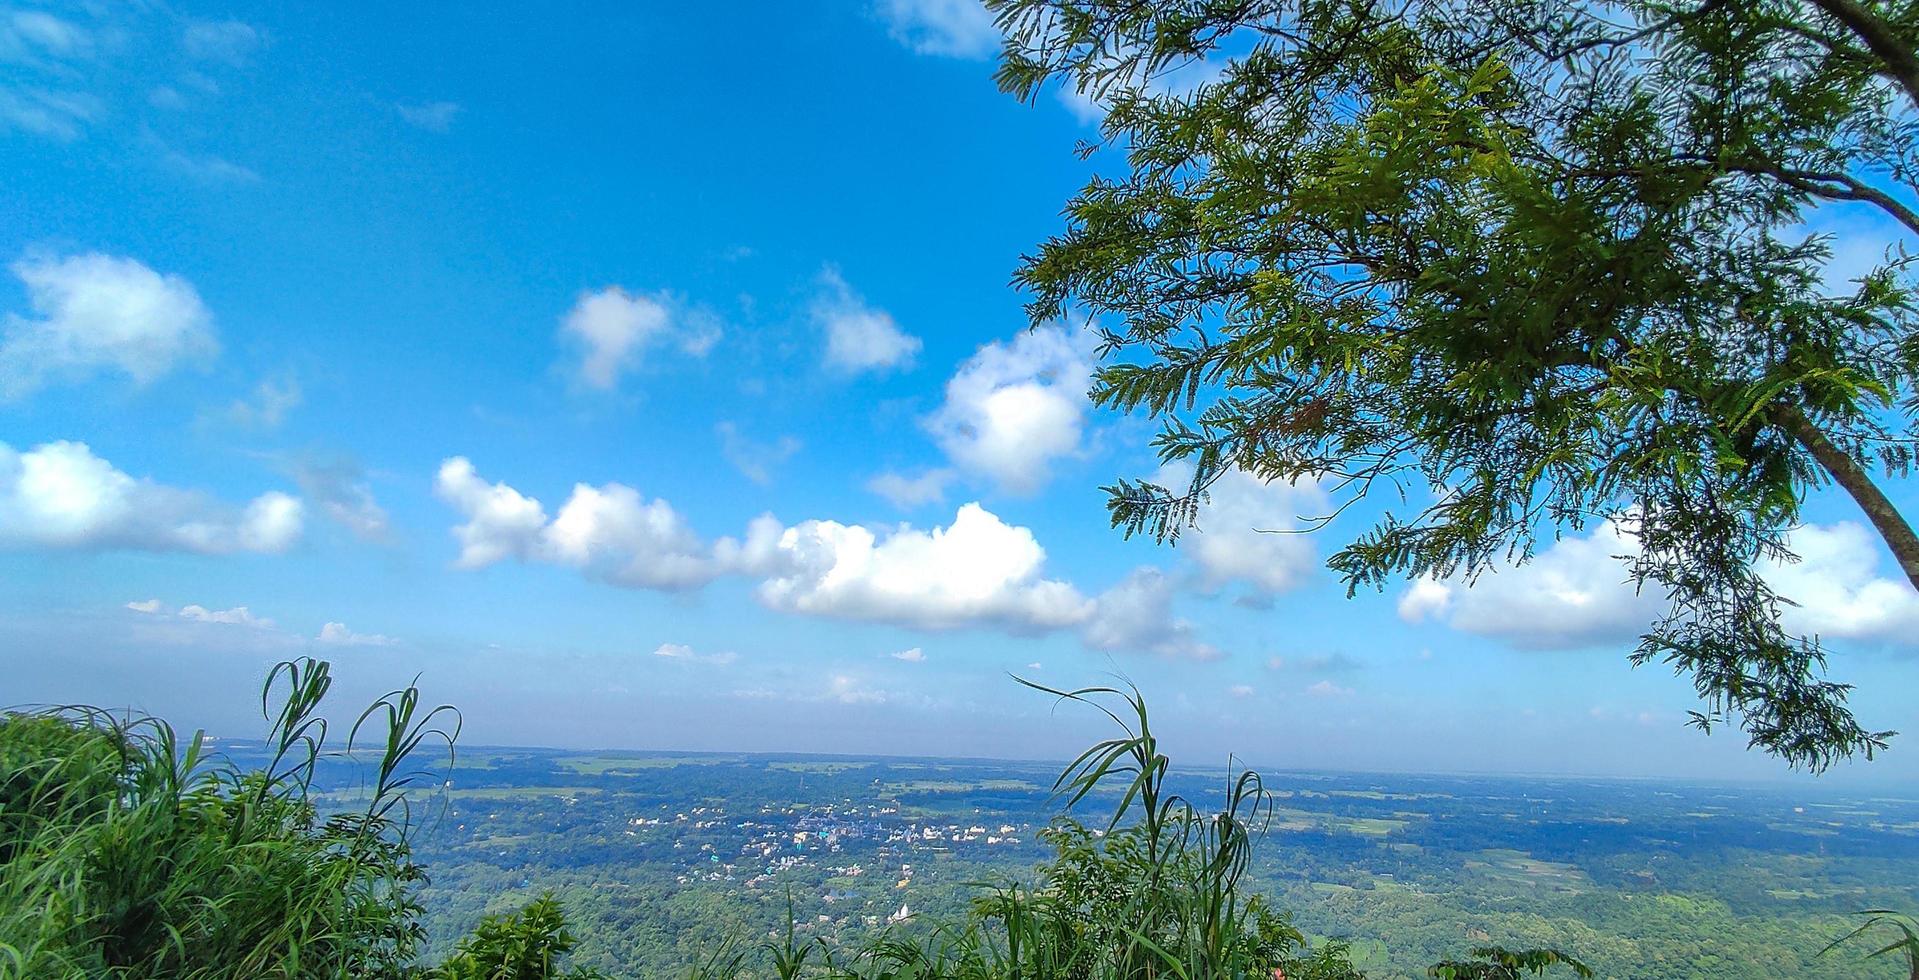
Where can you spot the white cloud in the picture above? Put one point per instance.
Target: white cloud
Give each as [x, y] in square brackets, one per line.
[1427, 598]
[148, 606]
[434, 117]
[1838, 589]
[60, 495]
[1137, 616]
[859, 337]
[609, 532]
[501, 522]
[977, 571]
[1573, 594]
[53, 114]
[686, 654]
[1012, 409]
[28, 36]
[1577, 593]
[1328, 689]
[610, 329]
[1241, 691]
[97, 312]
[1248, 529]
[755, 460]
[613, 533]
[951, 28]
[908, 492]
[270, 402]
[913, 656]
[336, 634]
[229, 42]
[272, 522]
[237, 616]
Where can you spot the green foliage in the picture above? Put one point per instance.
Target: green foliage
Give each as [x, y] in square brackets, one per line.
[128, 852]
[1540, 264]
[1904, 944]
[133, 854]
[1495, 963]
[526, 944]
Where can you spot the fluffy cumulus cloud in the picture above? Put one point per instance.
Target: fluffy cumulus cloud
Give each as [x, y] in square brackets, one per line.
[1136, 616]
[61, 496]
[613, 533]
[858, 337]
[1247, 530]
[337, 634]
[608, 532]
[97, 313]
[1014, 408]
[500, 523]
[1573, 594]
[609, 330]
[1576, 593]
[950, 28]
[1839, 590]
[978, 570]
[912, 656]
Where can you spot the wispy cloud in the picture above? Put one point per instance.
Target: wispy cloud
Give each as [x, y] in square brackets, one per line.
[950, 28]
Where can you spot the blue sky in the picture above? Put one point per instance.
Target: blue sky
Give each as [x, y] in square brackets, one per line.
[645, 380]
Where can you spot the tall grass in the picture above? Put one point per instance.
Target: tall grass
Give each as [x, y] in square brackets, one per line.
[127, 851]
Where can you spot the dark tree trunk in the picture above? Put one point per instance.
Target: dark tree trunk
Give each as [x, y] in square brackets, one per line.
[1881, 39]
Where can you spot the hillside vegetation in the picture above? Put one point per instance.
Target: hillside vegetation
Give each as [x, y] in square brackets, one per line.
[128, 851]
